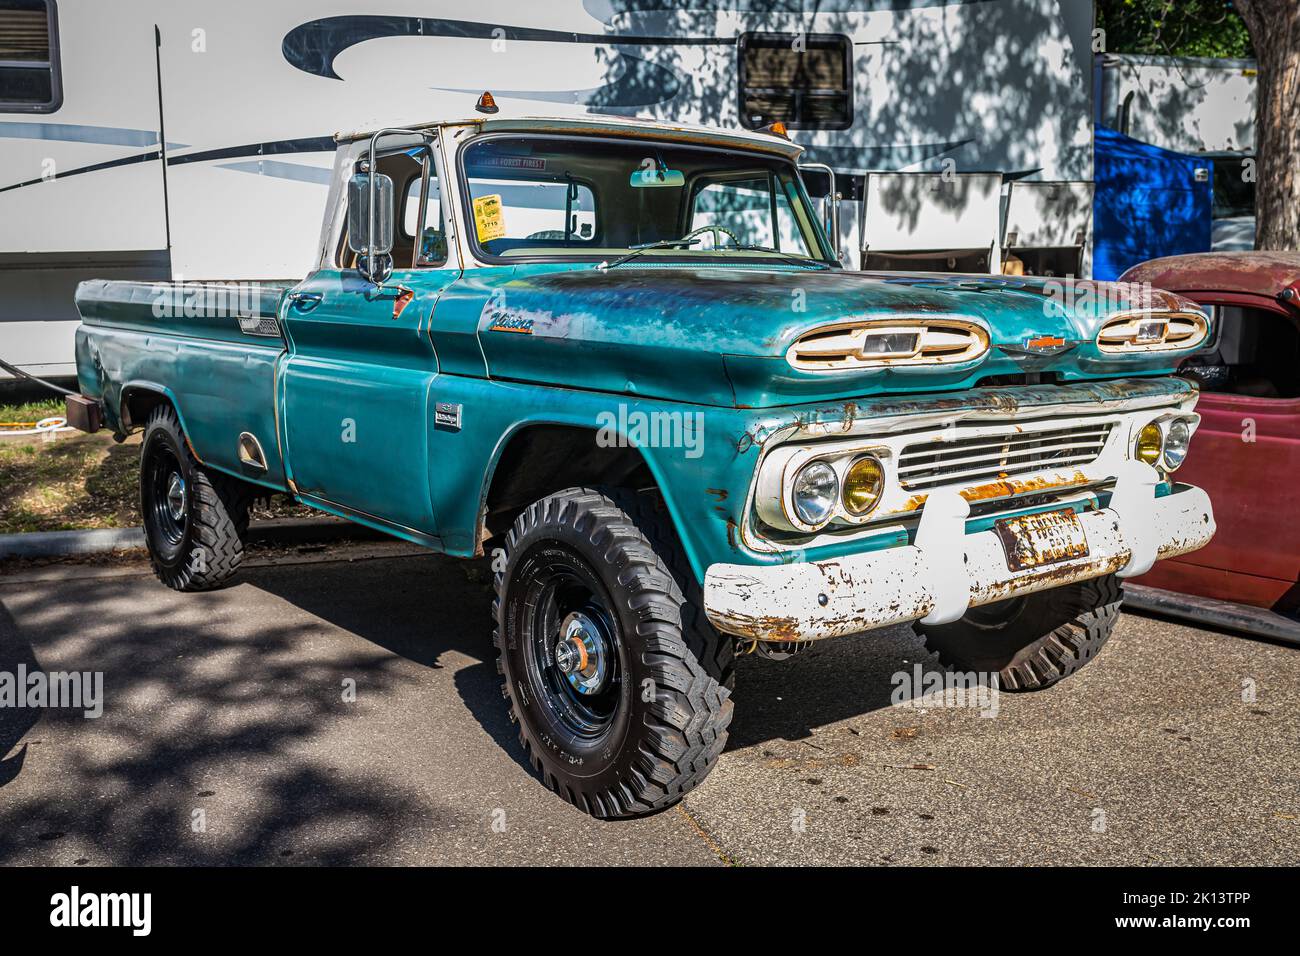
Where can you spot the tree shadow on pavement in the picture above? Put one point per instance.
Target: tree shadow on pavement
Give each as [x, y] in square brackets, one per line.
[15, 722]
[430, 606]
[832, 681]
[196, 711]
[209, 711]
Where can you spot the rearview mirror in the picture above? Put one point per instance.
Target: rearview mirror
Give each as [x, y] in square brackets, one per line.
[657, 176]
[370, 221]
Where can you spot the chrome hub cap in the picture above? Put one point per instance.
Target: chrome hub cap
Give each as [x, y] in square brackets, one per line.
[176, 497]
[582, 653]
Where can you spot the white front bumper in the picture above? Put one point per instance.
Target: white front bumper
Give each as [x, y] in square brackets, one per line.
[947, 571]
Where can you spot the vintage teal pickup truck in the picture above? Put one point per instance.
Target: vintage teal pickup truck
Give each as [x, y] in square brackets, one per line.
[622, 360]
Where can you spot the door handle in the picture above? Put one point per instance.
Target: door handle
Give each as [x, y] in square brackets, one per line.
[305, 301]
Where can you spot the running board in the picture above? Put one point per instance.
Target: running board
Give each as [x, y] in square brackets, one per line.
[1256, 621]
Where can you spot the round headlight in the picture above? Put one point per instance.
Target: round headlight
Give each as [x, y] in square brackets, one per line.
[1177, 438]
[863, 485]
[816, 489]
[1150, 443]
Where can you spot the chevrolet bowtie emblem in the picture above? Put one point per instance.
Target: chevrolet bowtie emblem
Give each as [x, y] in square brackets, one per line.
[1040, 345]
[1044, 343]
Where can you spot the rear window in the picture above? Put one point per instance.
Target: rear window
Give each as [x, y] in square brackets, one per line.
[29, 67]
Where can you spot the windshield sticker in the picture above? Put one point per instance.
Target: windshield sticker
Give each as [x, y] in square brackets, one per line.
[489, 218]
[509, 162]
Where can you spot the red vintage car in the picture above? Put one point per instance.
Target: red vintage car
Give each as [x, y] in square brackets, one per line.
[1246, 453]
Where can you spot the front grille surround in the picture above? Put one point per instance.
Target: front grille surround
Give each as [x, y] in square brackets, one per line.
[976, 459]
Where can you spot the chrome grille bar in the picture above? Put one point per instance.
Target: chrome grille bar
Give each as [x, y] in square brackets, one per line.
[999, 455]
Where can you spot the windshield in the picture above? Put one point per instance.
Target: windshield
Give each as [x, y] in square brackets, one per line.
[562, 197]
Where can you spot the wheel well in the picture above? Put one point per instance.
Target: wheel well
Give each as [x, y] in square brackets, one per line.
[542, 459]
[138, 404]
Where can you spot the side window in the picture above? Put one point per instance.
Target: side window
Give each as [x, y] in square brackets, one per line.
[747, 209]
[802, 80]
[433, 233]
[29, 57]
[511, 213]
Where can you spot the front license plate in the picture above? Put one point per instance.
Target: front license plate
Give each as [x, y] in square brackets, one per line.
[1032, 541]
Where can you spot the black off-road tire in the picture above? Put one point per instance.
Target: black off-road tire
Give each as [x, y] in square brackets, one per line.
[1031, 642]
[650, 752]
[203, 548]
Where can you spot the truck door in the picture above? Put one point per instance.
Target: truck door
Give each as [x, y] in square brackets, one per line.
[1245, 455]
[354, 390]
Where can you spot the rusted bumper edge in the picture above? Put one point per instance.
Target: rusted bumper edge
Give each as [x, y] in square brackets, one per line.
[943, 574]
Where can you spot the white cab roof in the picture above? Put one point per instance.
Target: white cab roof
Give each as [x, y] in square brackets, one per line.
[613, 126]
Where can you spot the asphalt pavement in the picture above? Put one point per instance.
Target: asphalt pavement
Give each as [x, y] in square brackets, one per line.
[341, 705]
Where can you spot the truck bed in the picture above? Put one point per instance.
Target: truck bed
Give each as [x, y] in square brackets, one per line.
[213, 348]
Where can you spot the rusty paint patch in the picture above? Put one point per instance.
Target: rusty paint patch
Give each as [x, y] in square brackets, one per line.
[1008, 487]
[1248, 273]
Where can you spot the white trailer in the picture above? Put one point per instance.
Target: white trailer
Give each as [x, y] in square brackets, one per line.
[192, 139]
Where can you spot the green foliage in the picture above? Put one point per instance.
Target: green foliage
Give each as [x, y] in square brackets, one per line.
[1174, 28]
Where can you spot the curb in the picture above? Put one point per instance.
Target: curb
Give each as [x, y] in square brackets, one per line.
[49, 544]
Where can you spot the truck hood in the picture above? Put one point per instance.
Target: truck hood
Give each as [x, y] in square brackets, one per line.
[719, 336]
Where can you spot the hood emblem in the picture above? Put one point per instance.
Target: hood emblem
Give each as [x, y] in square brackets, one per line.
[1040, 345]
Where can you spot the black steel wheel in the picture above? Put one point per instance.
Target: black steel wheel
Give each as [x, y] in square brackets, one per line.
[621, 709]
[1031, 641]
[194, 520]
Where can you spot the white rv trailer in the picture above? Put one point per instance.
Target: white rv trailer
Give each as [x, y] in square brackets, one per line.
[192, 139]
[1191, 105]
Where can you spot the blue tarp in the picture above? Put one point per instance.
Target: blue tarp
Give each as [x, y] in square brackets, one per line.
[1147, 203]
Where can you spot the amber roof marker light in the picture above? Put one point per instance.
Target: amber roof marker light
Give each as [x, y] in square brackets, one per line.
[486, 103]
[776, 129]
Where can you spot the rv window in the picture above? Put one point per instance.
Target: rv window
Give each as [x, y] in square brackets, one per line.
[29, 67]
[802, 80]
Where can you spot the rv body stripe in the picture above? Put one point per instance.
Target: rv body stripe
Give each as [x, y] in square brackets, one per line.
[314, 144]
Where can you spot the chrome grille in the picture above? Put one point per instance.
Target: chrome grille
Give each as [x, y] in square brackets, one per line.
[969, 461]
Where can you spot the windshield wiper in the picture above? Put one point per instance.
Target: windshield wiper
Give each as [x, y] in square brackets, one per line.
[645, 246]
[788, 256]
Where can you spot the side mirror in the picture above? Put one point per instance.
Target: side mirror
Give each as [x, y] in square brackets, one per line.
[370, 223]
[830, 205]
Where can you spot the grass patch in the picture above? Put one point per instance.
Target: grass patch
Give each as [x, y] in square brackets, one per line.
[79, 481]
[31, 411]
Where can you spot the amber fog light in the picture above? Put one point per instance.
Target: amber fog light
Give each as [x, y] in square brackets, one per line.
[864, 483]
[1150, 443]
